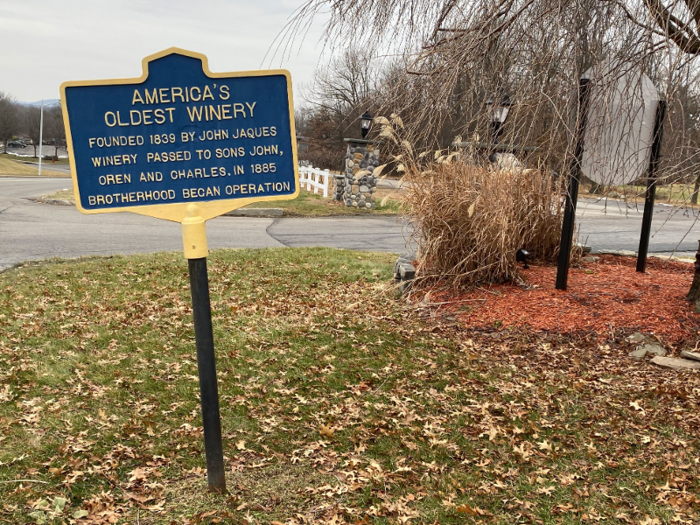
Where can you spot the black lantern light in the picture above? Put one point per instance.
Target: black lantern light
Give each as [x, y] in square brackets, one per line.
[521, 256]
[365, 123]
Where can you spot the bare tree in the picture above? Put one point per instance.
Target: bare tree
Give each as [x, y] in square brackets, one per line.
[8, 118]
[347, 87]
[458, 54]
[342, 90]
[32, 124]
[54, 127]
[674, 20]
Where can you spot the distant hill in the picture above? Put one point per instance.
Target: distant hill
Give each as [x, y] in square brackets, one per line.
[37, 104]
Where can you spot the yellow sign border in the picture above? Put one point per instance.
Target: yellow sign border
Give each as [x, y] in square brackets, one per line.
[177, 211]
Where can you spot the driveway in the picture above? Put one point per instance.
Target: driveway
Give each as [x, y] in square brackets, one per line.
[616, 225]
[30, 231]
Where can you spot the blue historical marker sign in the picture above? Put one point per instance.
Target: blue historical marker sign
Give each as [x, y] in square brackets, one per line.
[184, 144]
[180, 135]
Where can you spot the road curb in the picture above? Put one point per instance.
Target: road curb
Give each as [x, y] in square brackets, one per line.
[54, 202]
[631, 253]
[256, 212]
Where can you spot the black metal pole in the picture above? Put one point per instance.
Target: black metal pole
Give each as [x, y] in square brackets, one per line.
[650, 195]
[209, 393]
[567, 229]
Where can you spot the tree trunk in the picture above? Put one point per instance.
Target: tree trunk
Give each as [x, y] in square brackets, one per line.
[694, 292]
[694, 198]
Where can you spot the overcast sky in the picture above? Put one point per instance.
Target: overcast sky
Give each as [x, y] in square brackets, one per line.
[45, 43]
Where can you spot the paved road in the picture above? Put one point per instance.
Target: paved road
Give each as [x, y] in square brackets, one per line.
[615, 225]
[29, 230]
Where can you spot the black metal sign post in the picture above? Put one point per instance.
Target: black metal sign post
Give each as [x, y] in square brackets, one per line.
[206, 363]
[650, 195]
[194, 238]
[567, 230]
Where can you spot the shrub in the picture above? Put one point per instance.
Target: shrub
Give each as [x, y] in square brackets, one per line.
[469, 220]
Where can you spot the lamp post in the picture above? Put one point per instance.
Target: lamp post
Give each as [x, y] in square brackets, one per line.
[365, 123]
[499, 114]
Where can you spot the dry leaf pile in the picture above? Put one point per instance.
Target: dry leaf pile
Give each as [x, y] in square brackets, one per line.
[338, 405]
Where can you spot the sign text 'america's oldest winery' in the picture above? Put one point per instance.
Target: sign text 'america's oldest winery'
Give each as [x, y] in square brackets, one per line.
[180, 135]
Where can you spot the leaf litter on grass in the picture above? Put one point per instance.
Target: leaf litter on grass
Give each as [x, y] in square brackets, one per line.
[329, 414]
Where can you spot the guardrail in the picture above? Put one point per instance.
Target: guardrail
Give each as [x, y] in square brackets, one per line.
[315, 178]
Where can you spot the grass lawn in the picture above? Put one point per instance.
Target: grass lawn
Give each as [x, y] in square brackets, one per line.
[62, 160]
[63, 195]
[678, 194]
[312, 205]
[306, 205]
[339, 404]
[9, 165]
[671, 193]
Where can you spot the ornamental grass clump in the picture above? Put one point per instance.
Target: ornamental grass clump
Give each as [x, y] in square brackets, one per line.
[469, 221]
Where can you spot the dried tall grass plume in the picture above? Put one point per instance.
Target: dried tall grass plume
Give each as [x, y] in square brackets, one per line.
[469, 221]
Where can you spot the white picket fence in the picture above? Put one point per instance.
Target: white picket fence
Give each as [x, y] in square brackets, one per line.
[315, 178]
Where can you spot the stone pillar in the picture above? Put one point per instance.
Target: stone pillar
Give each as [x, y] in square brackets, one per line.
[356, 186]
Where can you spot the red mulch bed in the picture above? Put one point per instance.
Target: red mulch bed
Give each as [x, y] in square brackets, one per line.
[601, 297]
